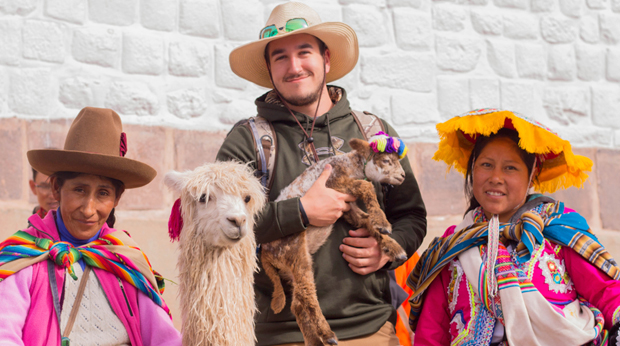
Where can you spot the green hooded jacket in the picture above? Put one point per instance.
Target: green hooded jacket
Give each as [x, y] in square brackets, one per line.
[354, 305]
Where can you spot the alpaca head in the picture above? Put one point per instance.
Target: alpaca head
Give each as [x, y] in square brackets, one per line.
[382, 166]
[219, 202]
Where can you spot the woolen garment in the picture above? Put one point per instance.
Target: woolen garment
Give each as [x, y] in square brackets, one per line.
[29, 318]
[95, 321]
[40, 211]
[354, 305]
[453, 314]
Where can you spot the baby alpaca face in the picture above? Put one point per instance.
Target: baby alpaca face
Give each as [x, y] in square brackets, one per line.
[222, 218]
[385, 168]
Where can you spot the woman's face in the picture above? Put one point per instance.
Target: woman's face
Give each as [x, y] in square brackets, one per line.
[500, 179]
[85, 203]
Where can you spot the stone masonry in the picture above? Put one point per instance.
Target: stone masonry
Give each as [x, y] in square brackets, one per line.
[163, 65]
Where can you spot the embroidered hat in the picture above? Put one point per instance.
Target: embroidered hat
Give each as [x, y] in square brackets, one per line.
[95, 144]
[559, 167]
[248, 61]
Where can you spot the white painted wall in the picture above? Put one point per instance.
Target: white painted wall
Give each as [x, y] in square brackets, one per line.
[165, 62]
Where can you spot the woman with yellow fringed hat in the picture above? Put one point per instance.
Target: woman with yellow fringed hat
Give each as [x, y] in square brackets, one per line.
[520, 269]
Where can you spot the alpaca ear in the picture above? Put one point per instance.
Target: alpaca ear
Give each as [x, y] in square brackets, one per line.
[175, 181]
[361, 146]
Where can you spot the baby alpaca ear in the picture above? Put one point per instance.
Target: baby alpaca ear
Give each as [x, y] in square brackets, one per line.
[175, 181]
[361, 146]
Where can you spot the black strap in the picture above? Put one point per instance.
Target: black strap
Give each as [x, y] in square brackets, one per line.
[304, 216]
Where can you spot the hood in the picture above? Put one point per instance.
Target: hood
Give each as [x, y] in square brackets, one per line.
[275, 111]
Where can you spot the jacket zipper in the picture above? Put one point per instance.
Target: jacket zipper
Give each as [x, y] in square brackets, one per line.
[120, 283]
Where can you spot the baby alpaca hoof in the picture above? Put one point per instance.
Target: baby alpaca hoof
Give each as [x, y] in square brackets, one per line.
[332, 341]
[391, 248]
[384, 230]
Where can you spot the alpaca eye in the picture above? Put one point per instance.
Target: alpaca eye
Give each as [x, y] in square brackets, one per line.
[203, 198]
[247, 198]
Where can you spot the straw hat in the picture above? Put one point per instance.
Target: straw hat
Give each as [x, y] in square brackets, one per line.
[248, 61]
[559, 168]
[95, 144]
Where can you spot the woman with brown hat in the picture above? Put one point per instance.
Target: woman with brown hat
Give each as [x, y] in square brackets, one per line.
[46, 293]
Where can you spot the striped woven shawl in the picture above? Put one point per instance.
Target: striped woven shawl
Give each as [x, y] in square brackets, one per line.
[569, 229]
[116, 253]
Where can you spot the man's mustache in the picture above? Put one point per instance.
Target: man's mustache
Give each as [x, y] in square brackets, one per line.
[288, 78]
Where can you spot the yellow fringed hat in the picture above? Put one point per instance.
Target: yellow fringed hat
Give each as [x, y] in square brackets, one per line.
[559, 168]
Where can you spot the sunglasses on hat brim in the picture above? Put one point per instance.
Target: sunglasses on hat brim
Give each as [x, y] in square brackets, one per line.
[291, 25]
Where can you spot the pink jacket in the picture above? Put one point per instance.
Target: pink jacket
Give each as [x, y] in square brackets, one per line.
[27, 313]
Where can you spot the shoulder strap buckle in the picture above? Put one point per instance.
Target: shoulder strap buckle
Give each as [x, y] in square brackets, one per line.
[265, 145]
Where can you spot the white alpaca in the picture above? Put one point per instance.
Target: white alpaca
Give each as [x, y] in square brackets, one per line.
[217, 260]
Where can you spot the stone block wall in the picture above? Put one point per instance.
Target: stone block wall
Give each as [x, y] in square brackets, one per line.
[165, 62]
[163, 66]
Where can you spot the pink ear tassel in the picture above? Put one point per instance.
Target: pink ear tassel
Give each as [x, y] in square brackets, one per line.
[175, 223]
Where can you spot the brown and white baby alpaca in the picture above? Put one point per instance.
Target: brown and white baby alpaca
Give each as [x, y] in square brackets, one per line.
[217, 252]
[290, 257]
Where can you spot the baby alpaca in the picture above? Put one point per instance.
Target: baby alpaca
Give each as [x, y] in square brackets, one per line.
[290, 257]
[217, 252]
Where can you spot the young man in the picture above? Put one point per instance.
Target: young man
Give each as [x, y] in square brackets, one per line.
[40, 187]
[296, 56]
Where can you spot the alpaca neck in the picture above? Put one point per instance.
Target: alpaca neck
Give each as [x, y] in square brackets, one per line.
[217, 294]
[358, 165]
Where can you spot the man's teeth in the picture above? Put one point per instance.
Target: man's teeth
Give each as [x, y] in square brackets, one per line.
[492, 193]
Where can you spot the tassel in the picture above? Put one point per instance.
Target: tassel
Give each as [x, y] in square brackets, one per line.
[492, 250]
[175, 223]
[123, 146]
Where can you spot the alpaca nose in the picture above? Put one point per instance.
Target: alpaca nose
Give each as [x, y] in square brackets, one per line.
[237, 220]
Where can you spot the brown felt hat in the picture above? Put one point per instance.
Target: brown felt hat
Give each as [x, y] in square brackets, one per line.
[95, 144]
[248, 61]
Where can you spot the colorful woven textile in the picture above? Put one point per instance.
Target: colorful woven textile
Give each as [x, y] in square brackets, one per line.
[569, 229]
[381, 142]
[601, 334]
[560, 168]
[116, 253]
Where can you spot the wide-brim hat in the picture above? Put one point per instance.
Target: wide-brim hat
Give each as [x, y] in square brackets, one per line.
[248, 61]
[95, 144]
[558, 168]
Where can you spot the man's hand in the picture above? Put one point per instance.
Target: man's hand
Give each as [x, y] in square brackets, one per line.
[323, 205]
[363, 252]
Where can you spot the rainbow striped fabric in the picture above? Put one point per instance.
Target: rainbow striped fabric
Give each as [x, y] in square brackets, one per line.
[565, 229]
[116, 253]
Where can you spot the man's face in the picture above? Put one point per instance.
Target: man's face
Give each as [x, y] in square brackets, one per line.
[40, 187]
[296, 67]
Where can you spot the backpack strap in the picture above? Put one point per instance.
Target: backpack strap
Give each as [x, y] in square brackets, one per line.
[265, 146]
[368, 123]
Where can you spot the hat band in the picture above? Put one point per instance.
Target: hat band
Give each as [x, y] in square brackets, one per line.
[291, 25]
